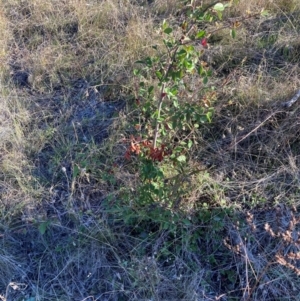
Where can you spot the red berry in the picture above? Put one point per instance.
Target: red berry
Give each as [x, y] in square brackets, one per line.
[204, 43]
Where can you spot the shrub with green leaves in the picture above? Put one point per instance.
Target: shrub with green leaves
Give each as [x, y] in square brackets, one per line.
[174, 99]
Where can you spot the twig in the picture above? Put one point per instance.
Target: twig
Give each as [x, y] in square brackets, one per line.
[156, 131]
[286, 104]
[255, 129]
[289, 103]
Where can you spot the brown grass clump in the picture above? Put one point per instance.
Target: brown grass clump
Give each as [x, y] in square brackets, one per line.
[59, 42]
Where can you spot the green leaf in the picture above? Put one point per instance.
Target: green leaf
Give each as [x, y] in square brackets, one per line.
[164, 25]
[136, 72]
[175, 103]
[43, 227]
[219, 7]
[158, 74]
[155, 185]
[233, 33]
[264, 13]
[219, 14]
[209, 115]
[201, 70]
[165, 226]
[155, 114]
[177, 75]
[168, 30]
[172, 91]
[190, 143]
[189, 65]
[209, 72]
[189, 48]
[174, 123]
[181, 158]
[76, 171]
[203, 119]
[200, 34]
[168, 43]
[182, 53]
[150, 89]
[148, 61]
[205, 80]
[208, 18]
[200, 16]
[187, 222]
[160, 119]
[170, 125]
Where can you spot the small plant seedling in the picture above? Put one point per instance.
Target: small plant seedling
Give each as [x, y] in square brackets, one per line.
[171, 108]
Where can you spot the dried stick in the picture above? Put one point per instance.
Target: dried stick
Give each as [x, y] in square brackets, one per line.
[289, 103]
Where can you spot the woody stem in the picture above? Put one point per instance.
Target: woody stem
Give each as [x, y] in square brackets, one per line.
[158, 116]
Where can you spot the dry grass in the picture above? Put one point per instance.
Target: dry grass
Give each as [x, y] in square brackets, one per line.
[57, 42]
[69, 228]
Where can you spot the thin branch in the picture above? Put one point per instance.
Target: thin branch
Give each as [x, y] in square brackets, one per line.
[252, 131]
[289, 103]
[158, 115]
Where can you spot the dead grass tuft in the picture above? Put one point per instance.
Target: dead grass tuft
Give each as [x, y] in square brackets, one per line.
[59, 42]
